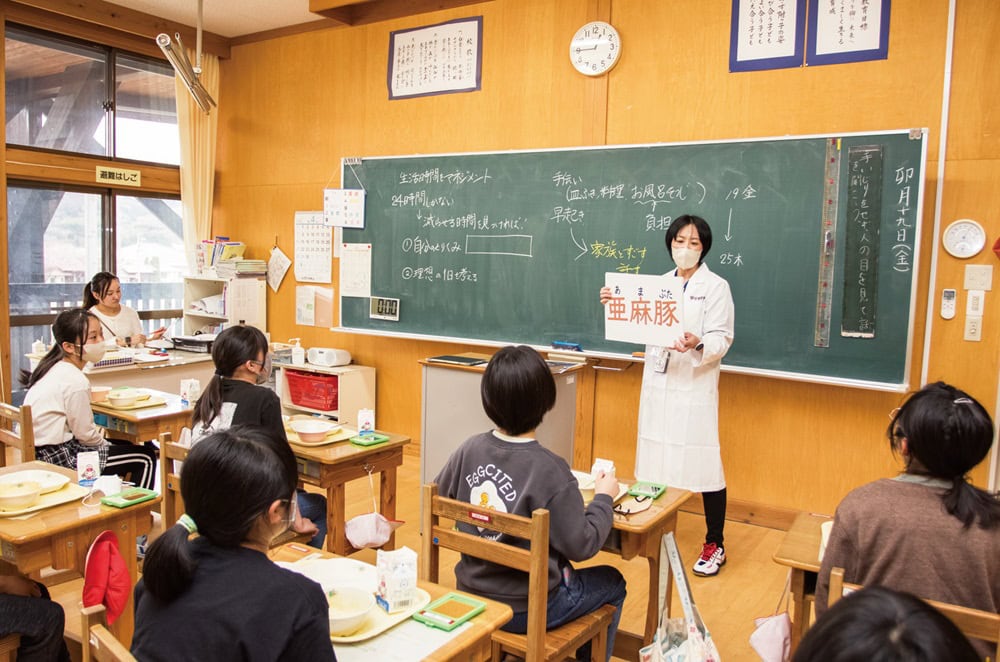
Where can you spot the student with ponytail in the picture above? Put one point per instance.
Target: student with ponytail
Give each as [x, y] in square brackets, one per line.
[927, 531]
[233, 397]
[102, 296]
[218, 596]
[59, 395]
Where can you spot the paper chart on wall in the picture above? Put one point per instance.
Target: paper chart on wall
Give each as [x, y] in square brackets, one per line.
[277, 267]
[313, 305]
[313, 248]
[356, 270]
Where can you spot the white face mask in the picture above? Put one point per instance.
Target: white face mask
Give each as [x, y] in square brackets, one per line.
[686, 258]
[265, 370]
[94, 352]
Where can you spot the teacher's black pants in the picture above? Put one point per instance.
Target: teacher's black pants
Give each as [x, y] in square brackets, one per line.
[715, 515]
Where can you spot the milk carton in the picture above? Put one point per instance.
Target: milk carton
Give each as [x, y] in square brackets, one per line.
[397, 578]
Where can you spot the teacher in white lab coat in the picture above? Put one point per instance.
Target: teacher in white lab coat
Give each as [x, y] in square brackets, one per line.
[678, 441]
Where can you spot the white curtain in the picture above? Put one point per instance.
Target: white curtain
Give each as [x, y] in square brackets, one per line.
[197, 133]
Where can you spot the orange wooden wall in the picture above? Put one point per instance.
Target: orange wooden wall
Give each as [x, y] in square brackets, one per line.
[291, 107]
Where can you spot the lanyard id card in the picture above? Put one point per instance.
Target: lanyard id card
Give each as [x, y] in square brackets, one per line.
[661, 359]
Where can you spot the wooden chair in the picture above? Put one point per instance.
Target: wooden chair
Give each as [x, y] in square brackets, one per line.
[8, 647]
[974, 623]
[537, 644]
[98, 642]
[170, 481]
[22, 440]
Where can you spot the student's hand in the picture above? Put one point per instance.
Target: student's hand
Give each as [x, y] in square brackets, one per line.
[304, 525]
[606, 483]
[605, 295]
[17, 585]
[138, 340]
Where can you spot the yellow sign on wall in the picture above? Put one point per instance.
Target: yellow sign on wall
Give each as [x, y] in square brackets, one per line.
[119, 176]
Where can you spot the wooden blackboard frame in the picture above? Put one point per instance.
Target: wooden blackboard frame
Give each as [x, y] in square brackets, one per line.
[901, 358]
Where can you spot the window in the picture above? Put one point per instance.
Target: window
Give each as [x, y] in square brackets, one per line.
[56, 243]
[86, 99]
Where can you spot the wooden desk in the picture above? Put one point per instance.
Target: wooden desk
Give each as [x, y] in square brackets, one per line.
[139, 425]
[60, 537]
[800, 552]
[471, 644]
[640, 535]
[332, 465]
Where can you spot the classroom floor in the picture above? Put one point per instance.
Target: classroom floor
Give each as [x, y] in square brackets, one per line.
[748, 586]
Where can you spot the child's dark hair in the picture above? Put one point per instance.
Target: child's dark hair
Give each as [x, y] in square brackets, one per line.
[947, 433]
[232, 348]
[700, 224]
[97, 288]
[877, 624]
[70, 326]
[517, 389]
[228, 481]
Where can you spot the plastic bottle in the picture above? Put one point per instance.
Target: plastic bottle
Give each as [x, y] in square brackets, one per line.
[298, 354]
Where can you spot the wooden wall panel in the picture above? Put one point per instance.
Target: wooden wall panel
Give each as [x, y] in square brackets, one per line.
[291, 107]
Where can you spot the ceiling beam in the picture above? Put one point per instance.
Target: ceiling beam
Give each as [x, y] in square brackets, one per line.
[362, 12]
[120, 19]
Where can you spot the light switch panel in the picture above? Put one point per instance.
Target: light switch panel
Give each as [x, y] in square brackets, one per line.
[979, 277]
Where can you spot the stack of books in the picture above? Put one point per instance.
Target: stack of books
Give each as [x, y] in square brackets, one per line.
[229, 269]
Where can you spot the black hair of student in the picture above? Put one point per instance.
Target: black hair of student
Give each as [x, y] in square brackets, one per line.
[228, 481]
[877, 624]
[947, 433]
[232, 348]
[97, 288]
[700, 224]
[70, 326]
[517, 389]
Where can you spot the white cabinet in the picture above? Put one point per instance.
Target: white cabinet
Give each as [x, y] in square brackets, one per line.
[335, 392]
[211, 304]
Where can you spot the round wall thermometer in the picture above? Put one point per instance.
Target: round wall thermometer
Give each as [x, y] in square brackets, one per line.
[595, 48]
[964, 238]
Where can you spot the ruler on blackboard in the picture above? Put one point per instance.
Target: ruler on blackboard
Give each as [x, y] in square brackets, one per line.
[828, 244]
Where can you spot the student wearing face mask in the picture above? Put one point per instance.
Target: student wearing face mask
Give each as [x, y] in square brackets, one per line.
[234, 397]
[678, 442]
[59, 395]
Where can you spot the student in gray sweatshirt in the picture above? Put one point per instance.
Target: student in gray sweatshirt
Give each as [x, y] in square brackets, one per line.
[509, 470]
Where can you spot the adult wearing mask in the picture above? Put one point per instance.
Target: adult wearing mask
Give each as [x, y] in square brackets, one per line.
[678, 442]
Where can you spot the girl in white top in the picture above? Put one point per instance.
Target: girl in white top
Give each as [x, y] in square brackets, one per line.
[59, 395]
[102, 296]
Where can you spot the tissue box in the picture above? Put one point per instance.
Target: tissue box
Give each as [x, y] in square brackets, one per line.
[396, 571]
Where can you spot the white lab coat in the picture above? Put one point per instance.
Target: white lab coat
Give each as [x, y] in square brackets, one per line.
[679, 410]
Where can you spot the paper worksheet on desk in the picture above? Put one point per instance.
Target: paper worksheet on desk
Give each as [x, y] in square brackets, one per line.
[409, 640]
[313, 248]
[356, 270]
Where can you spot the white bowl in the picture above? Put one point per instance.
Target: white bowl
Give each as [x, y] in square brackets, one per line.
[349, 607]
[99, 393]
[15, 496]
[123, 397]
[48, 481]
[312, 429]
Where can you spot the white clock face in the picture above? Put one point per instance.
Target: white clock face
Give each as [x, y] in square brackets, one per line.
[595, 48]
[964, 238]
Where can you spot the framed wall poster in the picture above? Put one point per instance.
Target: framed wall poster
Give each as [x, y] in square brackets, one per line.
[436, 59]
[766, 34]
[847, 31]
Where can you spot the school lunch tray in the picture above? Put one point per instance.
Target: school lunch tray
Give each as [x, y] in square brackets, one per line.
[65, 494]
[330, 573]
[338, 434]
[138, 404]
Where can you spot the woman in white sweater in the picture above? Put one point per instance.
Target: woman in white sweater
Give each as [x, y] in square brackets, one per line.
[102, 296]
[59, 395]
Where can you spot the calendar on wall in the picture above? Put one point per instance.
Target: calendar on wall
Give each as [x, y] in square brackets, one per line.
[344, 207]
[313, 248]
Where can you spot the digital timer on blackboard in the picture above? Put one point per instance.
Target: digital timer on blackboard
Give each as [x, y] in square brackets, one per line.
[384, 308]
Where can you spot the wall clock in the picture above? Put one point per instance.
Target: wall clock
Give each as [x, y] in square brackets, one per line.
[595, 48]
[964, 238]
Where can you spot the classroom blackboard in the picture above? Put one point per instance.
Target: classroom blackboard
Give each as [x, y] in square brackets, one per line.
[512, 247]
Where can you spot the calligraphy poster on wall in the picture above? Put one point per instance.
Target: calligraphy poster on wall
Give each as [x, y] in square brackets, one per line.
[847, 31]
[436, 59]
[766, 34]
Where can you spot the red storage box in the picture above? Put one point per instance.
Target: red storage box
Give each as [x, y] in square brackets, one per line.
[309, 389]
